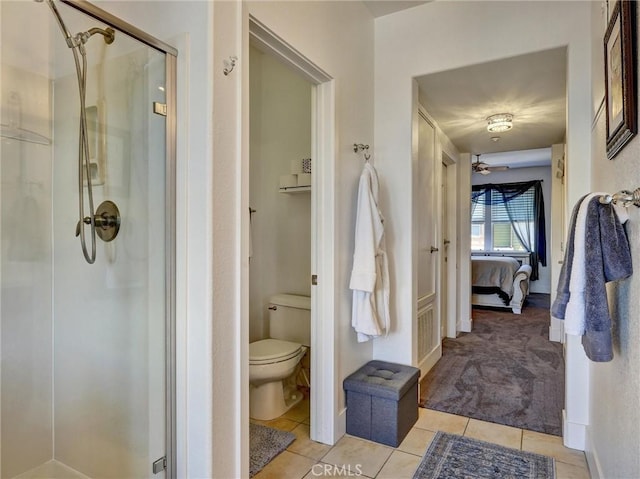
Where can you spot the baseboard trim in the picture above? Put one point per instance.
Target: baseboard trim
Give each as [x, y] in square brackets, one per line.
[466, 325]
[340, 428]
[430, 360]
[573, 434]
[556, 330]
[595, 470]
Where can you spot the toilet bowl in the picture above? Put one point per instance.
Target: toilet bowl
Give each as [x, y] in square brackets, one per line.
[274, 362]
[271, 363]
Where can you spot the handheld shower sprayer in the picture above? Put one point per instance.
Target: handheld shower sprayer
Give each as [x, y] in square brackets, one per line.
[67, 36]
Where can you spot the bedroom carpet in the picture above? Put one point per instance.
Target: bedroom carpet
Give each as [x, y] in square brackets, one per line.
[505, 371]
[456, 457]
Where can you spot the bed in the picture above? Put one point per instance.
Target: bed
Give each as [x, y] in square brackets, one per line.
[499, 281]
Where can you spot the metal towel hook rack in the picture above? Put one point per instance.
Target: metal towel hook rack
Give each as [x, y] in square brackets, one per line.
[623, 198]
[362, 147]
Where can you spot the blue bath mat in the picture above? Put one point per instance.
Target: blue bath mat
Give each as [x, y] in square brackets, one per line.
[265, 443]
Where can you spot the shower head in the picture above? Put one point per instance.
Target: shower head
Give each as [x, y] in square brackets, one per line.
[82, 37]
[109, 34]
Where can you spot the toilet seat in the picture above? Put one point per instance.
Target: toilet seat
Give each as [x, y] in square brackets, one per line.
[267, 351]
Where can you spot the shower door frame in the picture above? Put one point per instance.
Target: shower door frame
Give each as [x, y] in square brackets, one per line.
[170, 216]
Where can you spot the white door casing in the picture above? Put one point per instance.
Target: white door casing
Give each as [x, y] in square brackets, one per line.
[444, 252]
[450, 234]
[558, 222]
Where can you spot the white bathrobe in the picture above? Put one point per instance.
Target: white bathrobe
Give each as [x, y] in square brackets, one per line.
[370, 273]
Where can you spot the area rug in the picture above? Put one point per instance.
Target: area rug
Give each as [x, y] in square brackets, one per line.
[455, 457]
[265, 443]
[505, 371]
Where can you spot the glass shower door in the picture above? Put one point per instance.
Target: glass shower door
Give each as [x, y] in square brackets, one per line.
[84, 372]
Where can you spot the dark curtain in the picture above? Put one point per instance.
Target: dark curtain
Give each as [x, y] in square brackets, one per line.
[535, 242]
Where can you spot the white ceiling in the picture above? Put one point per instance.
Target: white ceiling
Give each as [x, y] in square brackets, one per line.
[518, 159]
[531, 87]
[379, 8]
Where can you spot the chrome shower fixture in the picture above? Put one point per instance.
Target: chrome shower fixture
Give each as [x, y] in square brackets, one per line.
[105, 220]
[82, 37]
[109, 34]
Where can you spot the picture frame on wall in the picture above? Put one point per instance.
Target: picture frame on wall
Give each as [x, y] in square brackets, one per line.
[619, 71]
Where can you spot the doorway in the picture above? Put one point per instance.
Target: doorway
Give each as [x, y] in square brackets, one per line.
[323, 396]
[280, 170]
[459, 105]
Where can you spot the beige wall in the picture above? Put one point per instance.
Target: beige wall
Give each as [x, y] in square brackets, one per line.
[612, 436]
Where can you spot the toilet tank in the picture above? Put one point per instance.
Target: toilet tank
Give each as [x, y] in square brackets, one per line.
[290, 318]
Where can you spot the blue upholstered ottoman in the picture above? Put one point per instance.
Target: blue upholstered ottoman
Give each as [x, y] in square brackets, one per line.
[382, 401]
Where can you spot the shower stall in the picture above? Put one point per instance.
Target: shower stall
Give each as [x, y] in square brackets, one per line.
[87, 237]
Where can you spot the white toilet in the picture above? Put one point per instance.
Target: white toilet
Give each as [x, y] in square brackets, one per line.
[273, 361]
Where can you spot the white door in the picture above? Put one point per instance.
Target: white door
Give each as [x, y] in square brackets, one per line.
[427, 217]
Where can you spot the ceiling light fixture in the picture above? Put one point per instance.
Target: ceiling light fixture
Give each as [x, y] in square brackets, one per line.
[500, 122]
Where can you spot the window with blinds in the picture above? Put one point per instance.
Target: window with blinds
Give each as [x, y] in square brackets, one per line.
[491, 228]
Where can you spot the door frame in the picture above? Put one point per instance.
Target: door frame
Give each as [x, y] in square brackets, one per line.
[324, 393]
[450, 179]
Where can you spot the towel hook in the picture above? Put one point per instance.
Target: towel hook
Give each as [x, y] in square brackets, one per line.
[365, 148]
[229, 65]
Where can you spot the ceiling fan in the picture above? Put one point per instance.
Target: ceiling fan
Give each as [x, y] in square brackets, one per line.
[484, 168]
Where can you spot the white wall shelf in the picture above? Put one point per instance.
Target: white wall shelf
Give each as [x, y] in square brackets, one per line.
[295, 189]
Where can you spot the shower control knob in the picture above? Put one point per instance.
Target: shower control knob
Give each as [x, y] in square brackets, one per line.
[106, 220]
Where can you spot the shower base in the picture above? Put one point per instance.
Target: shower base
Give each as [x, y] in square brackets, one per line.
[52, 470]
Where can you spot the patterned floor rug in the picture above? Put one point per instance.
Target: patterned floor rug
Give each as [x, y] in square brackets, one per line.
[265, 443]
[455, 457]
[505, 371]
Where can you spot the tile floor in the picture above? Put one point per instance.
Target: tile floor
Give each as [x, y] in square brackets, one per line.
[355, 457]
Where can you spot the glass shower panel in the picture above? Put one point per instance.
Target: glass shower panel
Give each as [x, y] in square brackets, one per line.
[83, 370]
[25, 245]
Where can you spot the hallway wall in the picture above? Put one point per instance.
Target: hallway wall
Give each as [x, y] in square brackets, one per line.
[612, 435]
